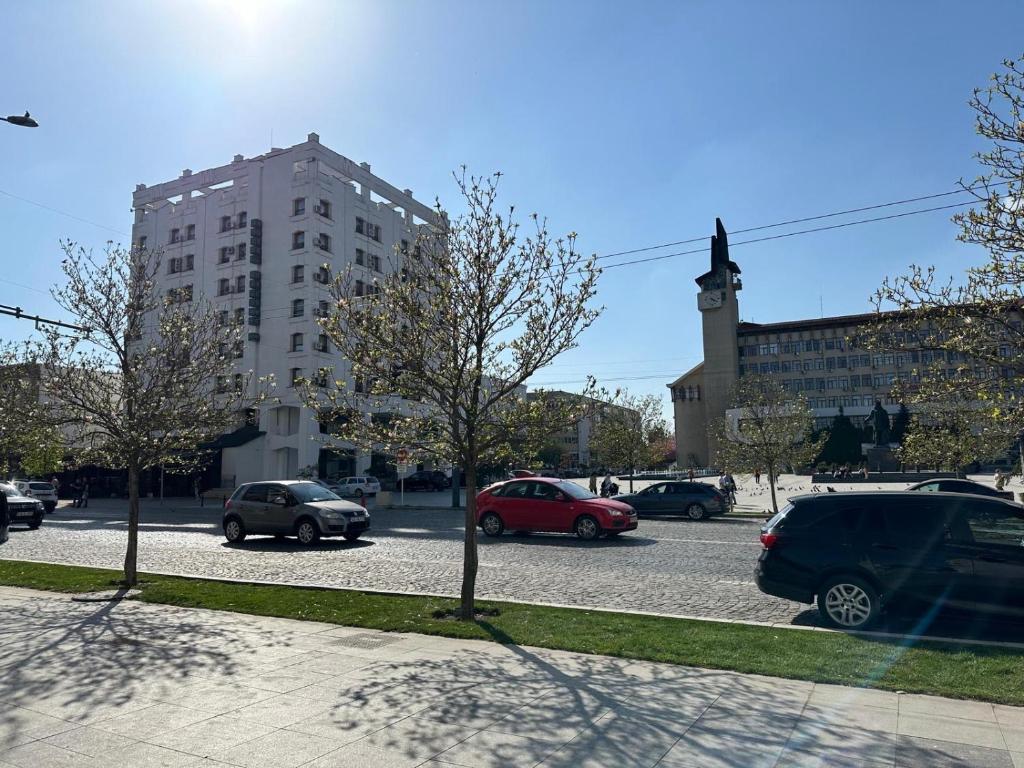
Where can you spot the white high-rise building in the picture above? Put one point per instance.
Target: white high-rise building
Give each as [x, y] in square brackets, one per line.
[251, 237]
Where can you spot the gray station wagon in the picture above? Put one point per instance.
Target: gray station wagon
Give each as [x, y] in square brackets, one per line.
[297, 508]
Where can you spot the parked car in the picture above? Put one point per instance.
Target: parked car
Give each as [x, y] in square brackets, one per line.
[364, 485]
[38, 489]
[549, 504]
[953, 485]
[299, 508]
[696, 501]
[23, 509]
[860, 553]
[427, 480]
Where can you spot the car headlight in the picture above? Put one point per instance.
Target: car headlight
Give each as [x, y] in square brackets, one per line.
[39, 505]
[331, 515]
[615, 512]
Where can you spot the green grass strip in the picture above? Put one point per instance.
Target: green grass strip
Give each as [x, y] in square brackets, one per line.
[944, 669]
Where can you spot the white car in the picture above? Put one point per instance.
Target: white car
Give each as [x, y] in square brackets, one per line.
[363, 485]
[38, 489]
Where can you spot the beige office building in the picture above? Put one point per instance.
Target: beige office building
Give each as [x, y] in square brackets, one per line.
[812, 357]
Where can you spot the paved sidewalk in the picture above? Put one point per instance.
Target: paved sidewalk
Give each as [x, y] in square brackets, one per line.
[135, 685]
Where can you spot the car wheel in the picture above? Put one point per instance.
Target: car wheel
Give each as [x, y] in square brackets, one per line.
[696, 512]
[352, 536]
[587, 528]
[234, 530]
[36, 522]
[307, 532]
[359, 493]
[492, 524]
[848, 602]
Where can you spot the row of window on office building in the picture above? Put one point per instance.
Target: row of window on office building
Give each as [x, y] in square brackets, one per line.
[922, 357]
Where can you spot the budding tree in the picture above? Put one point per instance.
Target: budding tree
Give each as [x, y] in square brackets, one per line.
[773, 430]
[625, 428]
[441, 346]
[147, 380]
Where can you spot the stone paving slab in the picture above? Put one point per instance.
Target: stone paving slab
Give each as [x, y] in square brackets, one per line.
[131, 684]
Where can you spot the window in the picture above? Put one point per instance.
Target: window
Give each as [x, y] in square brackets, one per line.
[324, 209]
[240, 284]
[222, 385]
[360, 226]
[142, 243]
[223, 286]
[238, 382]
[359, 385]
[223, 256]
[296, 343]
[240, 251]
[239, 349]
[190, 261]
[998, 524]
[360, 288]
[295, 375]
[298, 240]
[323, 309]
[175, 235]
[190, 232]
[298, 308]
[298, 273]
[298, 206]
[404, 247]
[374, 262]
[360, 257]
[243, 220]
[225, 223]
[323, 242]
[322, 344]
[174, 265]
[222, 317]
[830, 343]
[376, 231]
[322, 275]
[239, 316]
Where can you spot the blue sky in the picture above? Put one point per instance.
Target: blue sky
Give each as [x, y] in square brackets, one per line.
[632, 124]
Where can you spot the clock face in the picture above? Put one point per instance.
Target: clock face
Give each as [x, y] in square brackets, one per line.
[709, 300]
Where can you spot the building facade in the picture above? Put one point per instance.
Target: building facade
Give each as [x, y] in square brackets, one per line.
[261, 239]
[817, 358]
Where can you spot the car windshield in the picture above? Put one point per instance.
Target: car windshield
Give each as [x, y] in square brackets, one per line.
[40, 486]
[575, 491]
[306, 492]
[9, 490]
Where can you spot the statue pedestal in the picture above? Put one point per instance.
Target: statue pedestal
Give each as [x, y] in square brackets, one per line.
[880, 458]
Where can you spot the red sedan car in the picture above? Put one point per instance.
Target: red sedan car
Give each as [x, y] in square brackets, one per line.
[550, 504]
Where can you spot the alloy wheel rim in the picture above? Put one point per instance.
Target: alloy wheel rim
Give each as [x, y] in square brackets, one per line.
[587, 528]
[491, 524]
[305, 533]
[696, 512]
[233, 530]
[848, 605]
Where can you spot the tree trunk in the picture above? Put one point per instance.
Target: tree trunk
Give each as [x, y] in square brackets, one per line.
[469, 556]
[632, 471]
[131, 556]
[456, 487]
[771, 484]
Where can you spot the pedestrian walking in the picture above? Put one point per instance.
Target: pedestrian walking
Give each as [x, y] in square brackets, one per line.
[689, 474]
[84, 499]
[731, 483]
[76, 492]
[593, 483]
[56, 486]
[606, 484]
[5, 518]
[757, 475]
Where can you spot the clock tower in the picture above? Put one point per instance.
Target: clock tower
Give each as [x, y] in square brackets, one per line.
[720, 316]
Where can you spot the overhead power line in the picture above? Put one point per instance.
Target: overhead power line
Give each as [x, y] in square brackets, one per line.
[803, 220]
[794, 234]
[62, 213]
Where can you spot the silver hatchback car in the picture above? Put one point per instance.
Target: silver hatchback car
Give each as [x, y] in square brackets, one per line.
[297, 508]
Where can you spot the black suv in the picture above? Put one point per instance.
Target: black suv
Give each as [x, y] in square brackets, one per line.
[427, 480]
[860, 552]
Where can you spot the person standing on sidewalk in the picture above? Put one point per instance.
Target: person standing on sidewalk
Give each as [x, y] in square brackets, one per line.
[593, 483]
[83, 500]
[757, 475]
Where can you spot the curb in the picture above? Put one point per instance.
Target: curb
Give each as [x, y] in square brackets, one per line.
[708, 619]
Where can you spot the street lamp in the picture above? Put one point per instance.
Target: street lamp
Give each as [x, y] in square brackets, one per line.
[25, 121]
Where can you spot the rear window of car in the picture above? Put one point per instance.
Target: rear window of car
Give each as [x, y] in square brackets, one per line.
[40, 486]
[371, 479]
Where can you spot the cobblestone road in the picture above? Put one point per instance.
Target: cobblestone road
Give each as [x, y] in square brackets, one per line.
[670, 566]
